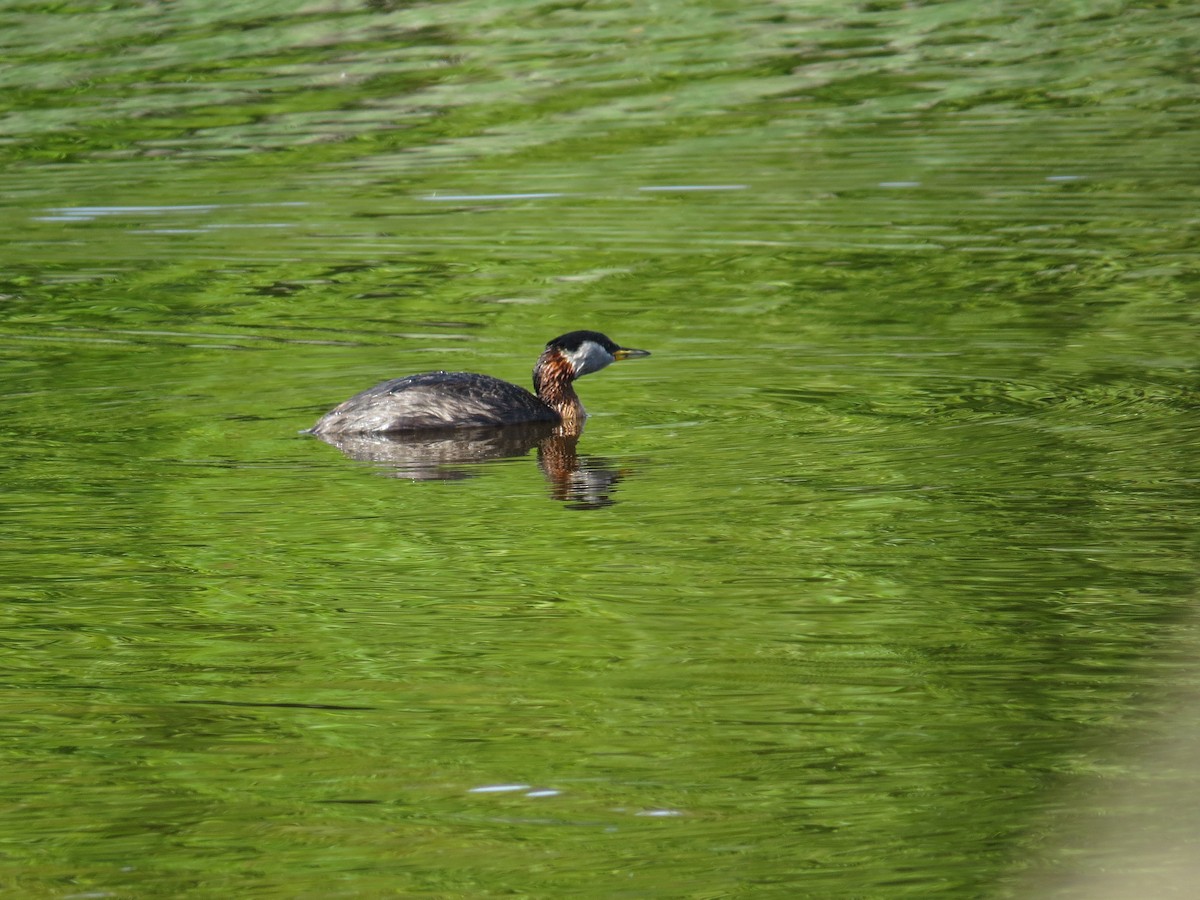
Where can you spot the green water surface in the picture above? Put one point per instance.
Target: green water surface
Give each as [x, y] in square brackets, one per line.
[882, 561]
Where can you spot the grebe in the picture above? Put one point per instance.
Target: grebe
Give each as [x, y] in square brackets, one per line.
[463, 399]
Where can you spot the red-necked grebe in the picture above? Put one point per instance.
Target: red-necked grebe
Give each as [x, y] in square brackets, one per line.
[463, 399]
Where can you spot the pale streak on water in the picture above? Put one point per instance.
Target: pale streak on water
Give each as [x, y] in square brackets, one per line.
[851, 585]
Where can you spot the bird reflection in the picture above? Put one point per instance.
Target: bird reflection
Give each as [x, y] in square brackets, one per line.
[581, 482]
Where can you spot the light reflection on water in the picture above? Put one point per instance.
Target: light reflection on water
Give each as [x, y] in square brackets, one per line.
[835, 596]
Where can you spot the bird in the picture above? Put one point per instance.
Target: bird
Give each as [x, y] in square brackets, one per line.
[449, 400]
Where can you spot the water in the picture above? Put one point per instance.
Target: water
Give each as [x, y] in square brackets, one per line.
[881, 567]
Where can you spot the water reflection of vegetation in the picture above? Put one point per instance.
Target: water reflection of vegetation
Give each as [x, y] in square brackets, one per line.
[920, 511]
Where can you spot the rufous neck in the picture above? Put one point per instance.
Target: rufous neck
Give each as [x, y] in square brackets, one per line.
[552, 377]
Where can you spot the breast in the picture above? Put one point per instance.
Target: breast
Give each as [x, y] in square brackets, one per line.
[434, 400]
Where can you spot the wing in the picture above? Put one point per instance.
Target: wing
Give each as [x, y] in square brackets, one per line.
[434, 400]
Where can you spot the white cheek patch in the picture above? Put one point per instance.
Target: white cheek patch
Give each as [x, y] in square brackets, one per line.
[589, 357]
